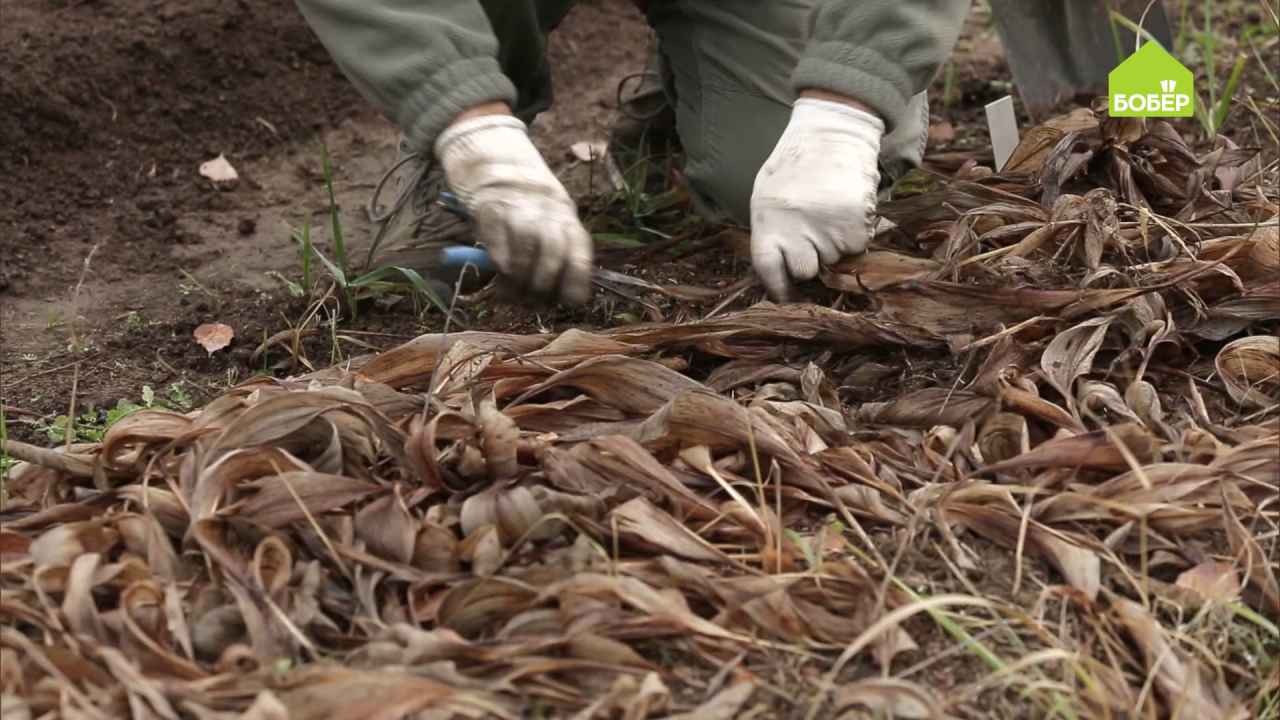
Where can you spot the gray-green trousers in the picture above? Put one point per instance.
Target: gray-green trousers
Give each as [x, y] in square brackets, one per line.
[726, 68]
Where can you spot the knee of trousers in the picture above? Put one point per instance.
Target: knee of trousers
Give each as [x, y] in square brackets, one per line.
[736, 132]
[739, 133]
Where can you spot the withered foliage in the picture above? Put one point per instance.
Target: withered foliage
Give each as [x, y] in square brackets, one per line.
[1072, 363]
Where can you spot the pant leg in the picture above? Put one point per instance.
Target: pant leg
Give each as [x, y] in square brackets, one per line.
[521, 27]
[728, 69]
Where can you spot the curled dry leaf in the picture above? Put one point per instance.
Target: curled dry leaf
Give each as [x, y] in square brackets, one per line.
[1113, 448]
[1070, 354]
[1250, 368]
[888, 696]
[513, 511]
[499, 438]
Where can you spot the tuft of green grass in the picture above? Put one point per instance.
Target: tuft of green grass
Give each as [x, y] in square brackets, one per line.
[342, 269]
[92, 424]
[1213, 116]
[354, 288]
[1212, 113]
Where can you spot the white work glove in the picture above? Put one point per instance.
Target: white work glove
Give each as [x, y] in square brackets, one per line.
[522, 214]
[815, 197]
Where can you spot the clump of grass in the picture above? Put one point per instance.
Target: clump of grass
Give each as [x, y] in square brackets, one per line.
[92, 424]
[352, 286]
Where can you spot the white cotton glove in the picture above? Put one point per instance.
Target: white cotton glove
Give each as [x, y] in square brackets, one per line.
[815, 197]
[522, 214]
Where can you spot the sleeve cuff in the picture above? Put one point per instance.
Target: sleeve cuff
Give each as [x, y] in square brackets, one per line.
[859, 73]
[443, 96]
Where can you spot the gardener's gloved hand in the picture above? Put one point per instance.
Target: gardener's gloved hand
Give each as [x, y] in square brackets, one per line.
[815, 197]
[522, 214]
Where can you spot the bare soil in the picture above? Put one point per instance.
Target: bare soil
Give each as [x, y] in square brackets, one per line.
[109, 109]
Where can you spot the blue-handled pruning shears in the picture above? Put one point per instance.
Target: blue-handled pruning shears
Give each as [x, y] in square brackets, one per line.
[456, 257]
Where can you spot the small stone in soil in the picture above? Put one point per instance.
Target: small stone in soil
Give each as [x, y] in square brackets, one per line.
[247, 226]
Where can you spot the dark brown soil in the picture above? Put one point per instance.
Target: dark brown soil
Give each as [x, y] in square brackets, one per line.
[110, 107]
[108, 111]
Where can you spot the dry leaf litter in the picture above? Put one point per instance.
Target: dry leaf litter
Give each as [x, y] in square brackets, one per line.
[1072, 364]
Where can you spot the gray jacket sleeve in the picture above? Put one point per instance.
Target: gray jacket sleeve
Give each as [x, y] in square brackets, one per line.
[422, 62]
[880, 52]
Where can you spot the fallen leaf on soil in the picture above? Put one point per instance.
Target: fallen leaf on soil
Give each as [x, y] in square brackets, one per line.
[588, 151]
[213, 336]
[218, 170]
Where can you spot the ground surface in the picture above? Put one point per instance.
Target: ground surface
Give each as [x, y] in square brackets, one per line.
[112, 107]
[115, 249]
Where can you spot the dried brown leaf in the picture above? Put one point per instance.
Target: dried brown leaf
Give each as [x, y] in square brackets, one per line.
[1080, 566]
[896, 698]
[629, 384]
[1181, 680]
[640, 523]
[1250, 368]
[1214, 581]
[1097, 450]
[1070, 354]
[213, 336]
[273, 505]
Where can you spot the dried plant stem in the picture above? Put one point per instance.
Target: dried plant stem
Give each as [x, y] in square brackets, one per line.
[67, 462]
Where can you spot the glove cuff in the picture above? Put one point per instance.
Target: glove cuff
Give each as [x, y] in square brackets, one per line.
[816, 109]
[465, 131]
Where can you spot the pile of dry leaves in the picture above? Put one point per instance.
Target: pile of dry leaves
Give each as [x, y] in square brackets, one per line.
[1070, 368]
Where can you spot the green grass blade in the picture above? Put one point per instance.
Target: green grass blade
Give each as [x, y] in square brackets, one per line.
[1246, 612]
[1223, 108]
[1135, 28]
[1180, 42]
[339, 242]
[306, 257]
[375, 278]
[617, 241]
[1203, 116]
[972, 644]
[421, 286]
[5, 461]
[1116, 20]
[1271, 77]
[338, 275]
[1210, 45]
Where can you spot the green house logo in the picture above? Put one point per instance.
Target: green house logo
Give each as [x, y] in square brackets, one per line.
[1151, 83]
